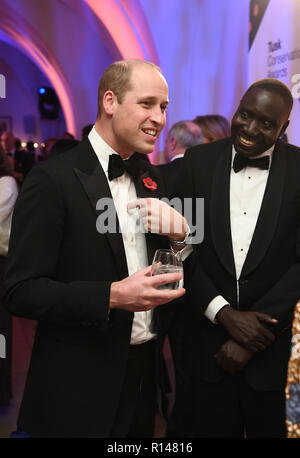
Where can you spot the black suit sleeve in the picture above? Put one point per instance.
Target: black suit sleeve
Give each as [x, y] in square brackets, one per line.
[279, 302]
[198, 283]
[32, 289]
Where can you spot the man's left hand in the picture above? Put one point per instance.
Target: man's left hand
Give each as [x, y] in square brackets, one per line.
[232, 357]
[159, 218]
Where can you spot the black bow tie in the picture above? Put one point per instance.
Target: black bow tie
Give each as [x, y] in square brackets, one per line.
[116, 166]
[240, 162]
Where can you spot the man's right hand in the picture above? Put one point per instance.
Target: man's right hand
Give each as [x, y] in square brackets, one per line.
[139, 292]
[247, 327]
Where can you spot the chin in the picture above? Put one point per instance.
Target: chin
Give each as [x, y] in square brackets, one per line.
[247, 152]
[146, 149]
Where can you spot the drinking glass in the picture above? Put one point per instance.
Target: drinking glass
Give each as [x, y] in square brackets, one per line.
[165, 261]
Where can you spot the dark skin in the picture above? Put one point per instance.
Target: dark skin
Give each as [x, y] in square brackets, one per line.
[261, 118]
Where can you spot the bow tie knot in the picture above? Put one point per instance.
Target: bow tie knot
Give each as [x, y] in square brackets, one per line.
[117, 166]
[241, 161]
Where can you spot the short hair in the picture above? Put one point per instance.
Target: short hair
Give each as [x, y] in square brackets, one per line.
[276, 87]
[116, 78]
[214, 126]
[186, 133]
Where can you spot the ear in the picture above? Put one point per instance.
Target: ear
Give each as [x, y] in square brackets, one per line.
[173, 144]
[284, 128]
[108, 102]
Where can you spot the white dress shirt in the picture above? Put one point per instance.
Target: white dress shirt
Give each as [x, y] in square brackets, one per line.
[123, 191]
[247, 188]
[8, 196]
[178, 156]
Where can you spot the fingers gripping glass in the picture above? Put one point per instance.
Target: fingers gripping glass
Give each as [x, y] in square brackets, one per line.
[165, 261]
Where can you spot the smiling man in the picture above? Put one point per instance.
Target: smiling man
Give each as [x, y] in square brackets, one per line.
[93, 367]
[247, 272]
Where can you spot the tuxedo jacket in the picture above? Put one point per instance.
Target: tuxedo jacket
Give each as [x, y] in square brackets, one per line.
[59, 272]
[270, 278]
[170, 172]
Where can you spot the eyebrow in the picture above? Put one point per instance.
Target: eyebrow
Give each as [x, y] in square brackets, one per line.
[251, 111]
[152, 98]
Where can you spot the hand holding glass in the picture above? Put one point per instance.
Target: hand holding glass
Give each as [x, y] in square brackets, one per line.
[164, 262]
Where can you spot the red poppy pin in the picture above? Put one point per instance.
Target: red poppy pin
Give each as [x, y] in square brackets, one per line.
[149, 183]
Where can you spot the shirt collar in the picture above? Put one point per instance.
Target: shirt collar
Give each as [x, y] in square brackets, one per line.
[101, 148]
[178, 156]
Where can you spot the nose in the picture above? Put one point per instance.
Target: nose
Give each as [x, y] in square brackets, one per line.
[252, 128]
[158, 116]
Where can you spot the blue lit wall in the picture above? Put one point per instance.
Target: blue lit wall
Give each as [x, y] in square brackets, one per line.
[201, 45]
[203, 48]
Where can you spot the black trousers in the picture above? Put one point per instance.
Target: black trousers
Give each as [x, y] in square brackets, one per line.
[233, 409]
[136, 412]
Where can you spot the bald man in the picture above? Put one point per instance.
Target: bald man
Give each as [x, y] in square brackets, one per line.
[182, 135]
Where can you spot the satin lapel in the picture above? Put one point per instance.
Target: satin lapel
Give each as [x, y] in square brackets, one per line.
[94, 182]
[220, 210]
[268, 215]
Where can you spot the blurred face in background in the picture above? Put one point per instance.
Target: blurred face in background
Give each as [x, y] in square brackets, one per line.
[7, 141]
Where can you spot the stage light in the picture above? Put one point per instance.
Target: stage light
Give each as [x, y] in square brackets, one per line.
[42, 90]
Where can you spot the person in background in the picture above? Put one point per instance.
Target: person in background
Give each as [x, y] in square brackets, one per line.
[247, 269]
[182, 135]
[7, 142]
[8, 196]
[49, 143]
[86, 130]
[29, 158]
[68, 136]
[214, 127]
[61, 146]
[94, 364]
[15, 155]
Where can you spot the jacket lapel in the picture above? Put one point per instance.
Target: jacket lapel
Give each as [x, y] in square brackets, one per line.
[94, 182]
[268, 215]
[220, 210]
[153, 241]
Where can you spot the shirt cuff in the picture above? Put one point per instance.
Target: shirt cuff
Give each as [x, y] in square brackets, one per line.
[184, 252]
[214, 307]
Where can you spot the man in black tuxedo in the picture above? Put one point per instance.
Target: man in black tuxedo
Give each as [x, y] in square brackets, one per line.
[182, 135]
[78, 265]
[247, 269]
